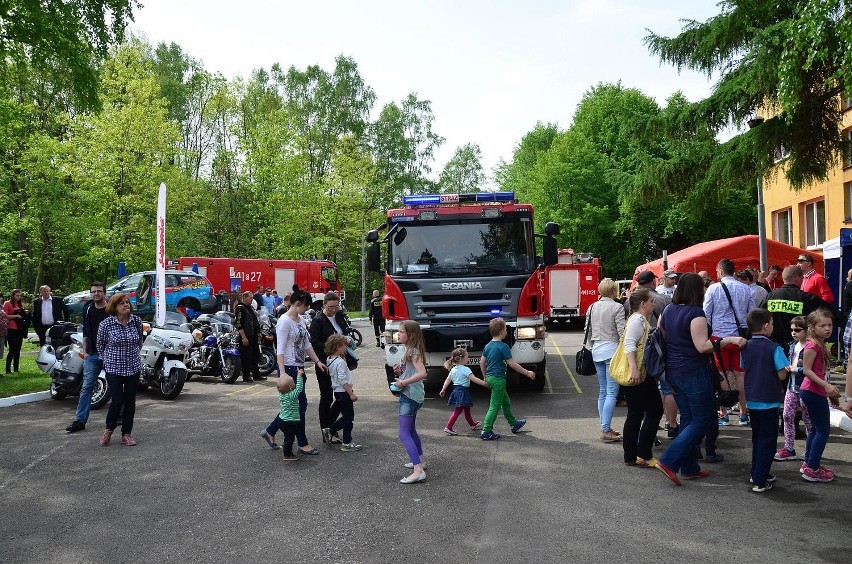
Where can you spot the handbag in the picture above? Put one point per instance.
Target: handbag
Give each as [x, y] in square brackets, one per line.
[351, 356]
[619, 366]
[729, 397]
[584, 365]
[655, 351]
[744, 332]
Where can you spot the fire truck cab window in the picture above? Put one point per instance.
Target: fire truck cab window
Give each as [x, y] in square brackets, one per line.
[501, 246]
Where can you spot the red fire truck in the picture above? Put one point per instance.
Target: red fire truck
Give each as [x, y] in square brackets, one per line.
[235, 274]
[571, 286]
[452, 263]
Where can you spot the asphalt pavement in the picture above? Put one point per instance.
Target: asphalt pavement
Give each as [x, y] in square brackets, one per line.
[202, 486]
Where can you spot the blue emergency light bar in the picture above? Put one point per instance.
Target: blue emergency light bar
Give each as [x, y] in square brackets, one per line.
[438, 199]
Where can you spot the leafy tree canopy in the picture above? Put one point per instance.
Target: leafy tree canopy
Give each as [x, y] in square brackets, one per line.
[62, 38]
[790, 59]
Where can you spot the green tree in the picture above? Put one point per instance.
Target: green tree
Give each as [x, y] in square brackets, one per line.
[792, 59]
[463, 172]
[62, 39]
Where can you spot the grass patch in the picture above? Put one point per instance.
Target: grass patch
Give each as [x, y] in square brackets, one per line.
[29, 379]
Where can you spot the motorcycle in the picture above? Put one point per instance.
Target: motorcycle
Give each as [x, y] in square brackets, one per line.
[62, 359]
[268, 340]
[163, 353]
[214, 351]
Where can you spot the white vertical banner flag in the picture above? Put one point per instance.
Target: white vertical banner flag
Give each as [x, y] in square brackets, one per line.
[160, 315]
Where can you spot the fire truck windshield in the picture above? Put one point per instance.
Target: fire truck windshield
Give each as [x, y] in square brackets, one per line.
[504, 245]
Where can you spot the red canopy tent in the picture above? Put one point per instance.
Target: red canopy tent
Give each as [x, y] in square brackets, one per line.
[742, 250]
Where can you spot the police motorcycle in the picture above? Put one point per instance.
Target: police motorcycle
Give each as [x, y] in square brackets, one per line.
[163, 353]
[214, 351]
[267, 360]
[62, 359]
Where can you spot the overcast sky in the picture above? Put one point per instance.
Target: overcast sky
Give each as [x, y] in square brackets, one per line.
[491, 68]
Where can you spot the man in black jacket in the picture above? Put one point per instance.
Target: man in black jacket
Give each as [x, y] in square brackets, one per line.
[47, 310]
[246, 322]
[376, 317]
[789, 301]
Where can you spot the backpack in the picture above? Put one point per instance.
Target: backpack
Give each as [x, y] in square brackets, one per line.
[655, 352]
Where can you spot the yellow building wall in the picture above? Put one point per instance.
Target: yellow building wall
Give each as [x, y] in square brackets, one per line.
[778, 196]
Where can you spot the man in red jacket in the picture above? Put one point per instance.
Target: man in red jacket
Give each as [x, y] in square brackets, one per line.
[814, 282]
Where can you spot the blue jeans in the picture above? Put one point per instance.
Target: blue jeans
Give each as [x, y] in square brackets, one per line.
[693, 393]
[92, 366]
[607, 394]
[301, 438]
[764, 441]
[821, 422]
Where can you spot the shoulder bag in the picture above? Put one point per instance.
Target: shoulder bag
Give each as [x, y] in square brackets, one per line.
[619, 367]
[729, 397]
[585, 366]
[744, 332]
[655, 351]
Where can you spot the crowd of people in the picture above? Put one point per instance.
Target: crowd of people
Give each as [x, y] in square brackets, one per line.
[770, 334]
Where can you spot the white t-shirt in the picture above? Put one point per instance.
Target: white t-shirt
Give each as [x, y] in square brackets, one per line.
[293, 340]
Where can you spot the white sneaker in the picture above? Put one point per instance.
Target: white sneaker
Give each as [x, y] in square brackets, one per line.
[411, 465]
[350, 447]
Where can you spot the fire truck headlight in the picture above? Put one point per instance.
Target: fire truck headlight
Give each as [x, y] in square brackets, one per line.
[530, 333]
[526, 333]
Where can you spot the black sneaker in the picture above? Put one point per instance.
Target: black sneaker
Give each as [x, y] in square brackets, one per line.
[75, 426]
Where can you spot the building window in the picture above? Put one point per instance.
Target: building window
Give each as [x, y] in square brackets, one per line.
[847, 201]
[813, 219]
[847, 101]
[780, 153]
[782, 225]
[847, 148]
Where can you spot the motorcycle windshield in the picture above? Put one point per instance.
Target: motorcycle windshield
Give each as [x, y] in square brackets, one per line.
[176, 321]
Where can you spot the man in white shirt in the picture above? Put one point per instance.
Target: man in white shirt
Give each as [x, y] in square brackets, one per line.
[47, 311]
[669, 283]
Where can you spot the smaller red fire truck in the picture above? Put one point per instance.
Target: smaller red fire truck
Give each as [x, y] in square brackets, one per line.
[240, 274]
[571, 286]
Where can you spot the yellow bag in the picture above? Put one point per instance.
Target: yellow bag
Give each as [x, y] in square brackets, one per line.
[619, 367]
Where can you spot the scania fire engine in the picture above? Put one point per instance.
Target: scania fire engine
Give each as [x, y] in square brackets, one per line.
[452, 263]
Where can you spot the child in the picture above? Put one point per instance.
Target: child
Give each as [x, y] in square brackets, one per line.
[495, 356]
[814, 391]
[792, 402]
[461, 377]
[344, 397]
[288, 398]
[764, 363]
[410, 375]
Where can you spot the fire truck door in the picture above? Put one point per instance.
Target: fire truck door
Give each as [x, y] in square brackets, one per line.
[284, 280]
[564, 288]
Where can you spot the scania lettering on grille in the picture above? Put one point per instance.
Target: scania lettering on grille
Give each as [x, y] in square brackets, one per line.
[461, 286]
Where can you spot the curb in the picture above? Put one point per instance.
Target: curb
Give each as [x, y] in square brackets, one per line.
[24, 398]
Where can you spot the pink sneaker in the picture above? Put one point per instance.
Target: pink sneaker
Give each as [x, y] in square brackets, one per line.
[449, 431]
[802, 468]
[477, 426]
[819, 475]
[785, 454]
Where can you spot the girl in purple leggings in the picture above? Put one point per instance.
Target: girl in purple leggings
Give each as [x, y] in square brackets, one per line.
[411, 372]
[792, 401]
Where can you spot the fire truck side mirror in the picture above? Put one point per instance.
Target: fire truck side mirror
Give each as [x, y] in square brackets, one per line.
[551, 254]
[374, 257]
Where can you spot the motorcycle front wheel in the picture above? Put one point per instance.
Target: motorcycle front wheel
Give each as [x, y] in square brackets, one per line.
[171, 384]
[100, 394]
[230, 369]
[267, 362]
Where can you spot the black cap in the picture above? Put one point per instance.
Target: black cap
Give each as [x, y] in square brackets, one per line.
[645, 277]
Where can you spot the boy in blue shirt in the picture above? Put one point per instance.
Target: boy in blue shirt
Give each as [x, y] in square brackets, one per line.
[495, 357]
[765, 363]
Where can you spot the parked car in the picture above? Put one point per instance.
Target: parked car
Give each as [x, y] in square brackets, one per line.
[183, 289]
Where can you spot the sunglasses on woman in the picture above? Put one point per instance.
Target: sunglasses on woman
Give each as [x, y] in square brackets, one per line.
[797, 329]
